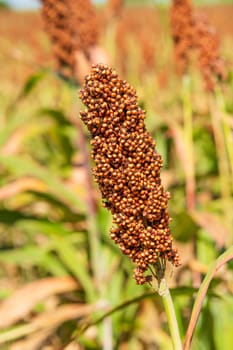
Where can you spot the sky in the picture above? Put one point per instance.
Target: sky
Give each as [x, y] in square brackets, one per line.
[22, 4]
[27, 4]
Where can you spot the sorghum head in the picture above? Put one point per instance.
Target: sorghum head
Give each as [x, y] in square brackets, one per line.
[127, 170]
[72, 26]
[181, 18]
[192, 32]
[211, 64]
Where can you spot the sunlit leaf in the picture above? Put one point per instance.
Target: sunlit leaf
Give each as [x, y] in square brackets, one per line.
[11, 310]
[72, 258]
[222, 259]
[26, 166]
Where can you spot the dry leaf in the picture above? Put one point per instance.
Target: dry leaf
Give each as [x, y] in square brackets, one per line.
[23, 300]
[21, 185]
[73, 346]
[48, 321]
[54, 318]
[32, 342]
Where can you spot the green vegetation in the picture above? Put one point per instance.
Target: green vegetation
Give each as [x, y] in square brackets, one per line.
[3, 5]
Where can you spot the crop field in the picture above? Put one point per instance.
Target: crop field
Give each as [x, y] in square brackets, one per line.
[77, 244]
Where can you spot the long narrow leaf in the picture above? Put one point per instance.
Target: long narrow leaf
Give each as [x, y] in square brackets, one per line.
[12, 311]
[49, 320]
[71, 257]
[136, 299]
[31, 255]
[222, 259]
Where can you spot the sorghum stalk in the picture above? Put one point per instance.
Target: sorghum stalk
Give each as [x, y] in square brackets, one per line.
[190, 184]
[171, 315]
[223, 164]
[188, 138]
[226, 130]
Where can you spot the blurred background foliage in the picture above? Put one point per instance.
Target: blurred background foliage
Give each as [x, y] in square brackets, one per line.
[63, 283]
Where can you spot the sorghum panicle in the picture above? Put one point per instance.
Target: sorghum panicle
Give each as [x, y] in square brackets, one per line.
[71, 26]
[84, 24]
[193, 33]
[181, 18]
[211, 64]
[127, 170]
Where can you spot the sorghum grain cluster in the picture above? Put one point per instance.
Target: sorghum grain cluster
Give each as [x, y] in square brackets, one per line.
[71, 26]
[181, 18]
[127, 170]
[211, 64]
[192, 33]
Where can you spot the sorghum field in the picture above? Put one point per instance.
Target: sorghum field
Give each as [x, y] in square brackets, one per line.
[86, 260]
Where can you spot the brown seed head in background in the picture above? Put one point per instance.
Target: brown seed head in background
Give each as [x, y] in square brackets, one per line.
[193, 33]
[72, 27]
[127, 170]
[212, 66]
[181, 18]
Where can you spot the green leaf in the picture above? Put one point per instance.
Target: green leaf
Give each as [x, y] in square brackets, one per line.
[56, 114]
[222, 310]
[27, 88]
[183, 226]
[32, 82]
[72, 258]
[12, 124]
[205, 328]
[206, 250]
[10, 217]
[31, 255]
[206, 160]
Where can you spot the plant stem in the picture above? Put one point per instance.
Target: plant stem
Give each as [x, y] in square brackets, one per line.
[188, 138]
[223, 164]
[94, 236]
[226, 130]
[164, 292]
[190, 166]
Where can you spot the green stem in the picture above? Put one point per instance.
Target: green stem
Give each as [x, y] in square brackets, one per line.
[190, 165]
[223, 164]
[188, 138]
[226, 130]
[93, 232]
[164, 292]
[94, 237]
[110, 40]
